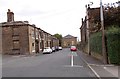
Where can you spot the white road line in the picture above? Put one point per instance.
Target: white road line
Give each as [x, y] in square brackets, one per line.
[91, 69]
[101, 65]
[72, 54]
[94, 71]
[72, 60]
[75, 66]
[72, 57]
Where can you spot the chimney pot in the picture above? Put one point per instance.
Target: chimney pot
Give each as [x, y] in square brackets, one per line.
[10, 16]
[8, 10]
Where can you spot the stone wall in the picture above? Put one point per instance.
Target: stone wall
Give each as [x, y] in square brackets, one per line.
[0, 38]
[67, 42]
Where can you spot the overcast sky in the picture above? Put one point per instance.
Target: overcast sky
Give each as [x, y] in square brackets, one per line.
[53, 16]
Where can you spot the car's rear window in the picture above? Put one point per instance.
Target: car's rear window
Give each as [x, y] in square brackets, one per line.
[73, 46]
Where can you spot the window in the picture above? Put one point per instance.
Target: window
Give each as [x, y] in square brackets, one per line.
[33, 34]
[15, 37]
[16, 44]
[72, 42]
[37, 35]
[32, 44]
[15, 31]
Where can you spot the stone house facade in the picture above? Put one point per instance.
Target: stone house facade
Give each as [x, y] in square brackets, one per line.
[83, 31]
[15, 36]
[88, 23]
[20, 37]
[55, 41]
[0, 39]
[69, 40]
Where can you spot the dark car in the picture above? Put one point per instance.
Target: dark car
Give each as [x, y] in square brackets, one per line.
[57, 48]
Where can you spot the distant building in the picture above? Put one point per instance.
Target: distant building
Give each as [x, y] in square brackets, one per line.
[55, 41]
[69, 40]
[20, 37]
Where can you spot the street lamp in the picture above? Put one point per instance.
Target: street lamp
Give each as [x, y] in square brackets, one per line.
[105, 60]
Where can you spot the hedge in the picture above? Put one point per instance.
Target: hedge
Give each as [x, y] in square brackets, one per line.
[96, 43]
[112, 43]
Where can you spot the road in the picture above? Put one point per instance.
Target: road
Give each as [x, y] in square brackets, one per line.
[57, 64]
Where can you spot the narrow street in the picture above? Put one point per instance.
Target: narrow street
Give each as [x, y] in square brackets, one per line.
[57, 64]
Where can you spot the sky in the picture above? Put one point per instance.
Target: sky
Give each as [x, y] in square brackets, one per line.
[53, 16]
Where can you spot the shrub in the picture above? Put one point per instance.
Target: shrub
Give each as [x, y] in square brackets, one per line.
[96, 43]
[112, 43]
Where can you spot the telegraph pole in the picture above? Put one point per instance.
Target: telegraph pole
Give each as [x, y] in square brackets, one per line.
[88, 35]
[87, 23]
[105, 59]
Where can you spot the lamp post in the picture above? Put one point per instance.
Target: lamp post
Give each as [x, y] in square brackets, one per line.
[105, 60]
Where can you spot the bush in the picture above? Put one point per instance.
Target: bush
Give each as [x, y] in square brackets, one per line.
[112, 43]
[96, 43]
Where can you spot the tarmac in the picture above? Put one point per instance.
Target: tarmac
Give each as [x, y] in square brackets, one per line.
[101, 70]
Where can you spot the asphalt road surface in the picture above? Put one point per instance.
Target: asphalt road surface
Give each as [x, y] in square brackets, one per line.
[63, 63]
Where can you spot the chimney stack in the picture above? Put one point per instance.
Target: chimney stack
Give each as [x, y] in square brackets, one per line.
[82, 20]
[10, 16]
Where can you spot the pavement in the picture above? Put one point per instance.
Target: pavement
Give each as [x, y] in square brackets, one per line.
[98, 67]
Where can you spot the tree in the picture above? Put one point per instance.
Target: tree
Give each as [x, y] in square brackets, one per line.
[111, 17]
[58, 36]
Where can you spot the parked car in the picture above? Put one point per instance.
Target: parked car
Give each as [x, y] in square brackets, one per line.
[60, 48]
[57, 48]
[73, 48]
[47, 50]
[53, 49]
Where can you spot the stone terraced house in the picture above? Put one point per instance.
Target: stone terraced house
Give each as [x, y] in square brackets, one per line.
[21, 37]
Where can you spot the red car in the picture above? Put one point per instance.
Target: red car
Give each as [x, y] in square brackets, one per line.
[73, 48]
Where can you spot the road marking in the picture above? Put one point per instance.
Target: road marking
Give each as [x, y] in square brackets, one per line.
[104, 67]
[74, 53]
[115, 71]
[91, 69]
[101, 65]
[72, 57]
[71, 60]
[94, 71]
[73, 66]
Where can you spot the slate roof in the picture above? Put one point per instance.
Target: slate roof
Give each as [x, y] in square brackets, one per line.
[69, 36]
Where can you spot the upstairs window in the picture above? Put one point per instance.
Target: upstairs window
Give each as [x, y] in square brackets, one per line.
[15, 31]
[33, 34]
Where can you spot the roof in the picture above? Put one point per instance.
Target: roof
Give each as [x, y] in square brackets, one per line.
[69, 36]
[15, 23]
